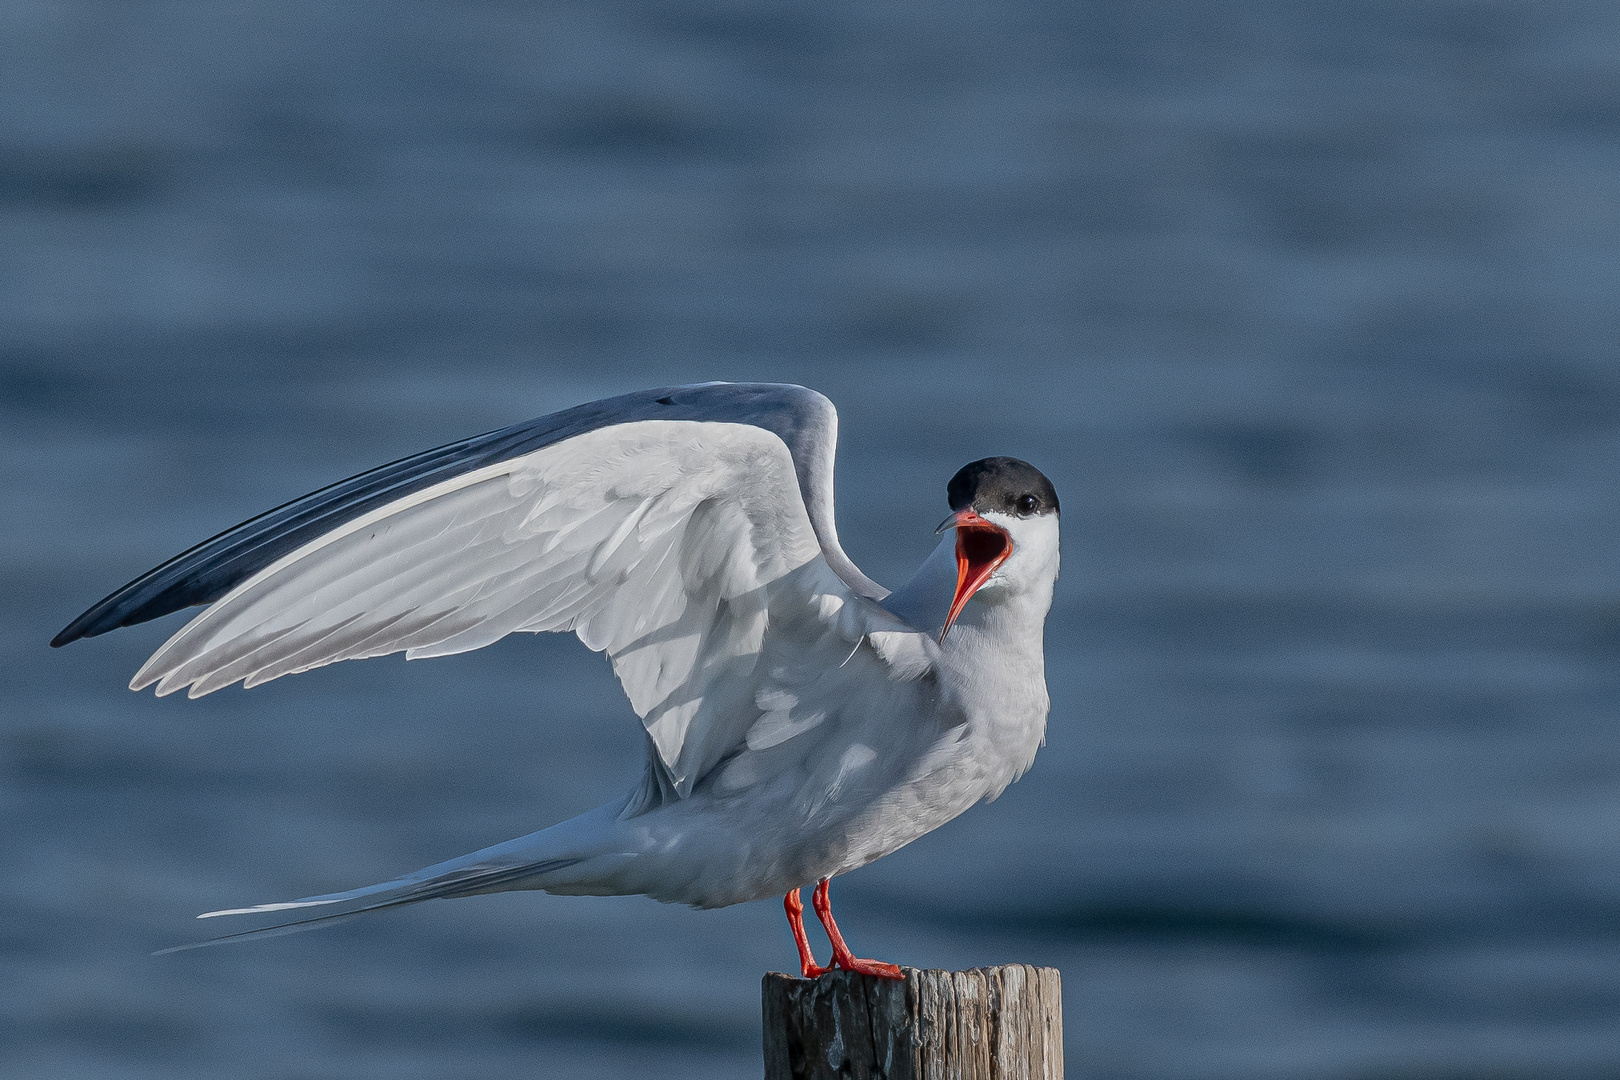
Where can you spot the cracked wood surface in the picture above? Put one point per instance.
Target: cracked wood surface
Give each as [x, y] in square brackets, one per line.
[996, 1023]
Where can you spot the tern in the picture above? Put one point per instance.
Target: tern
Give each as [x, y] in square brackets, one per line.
[801, 720]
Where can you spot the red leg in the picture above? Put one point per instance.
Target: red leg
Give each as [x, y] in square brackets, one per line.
[795, 913]
[842, 957]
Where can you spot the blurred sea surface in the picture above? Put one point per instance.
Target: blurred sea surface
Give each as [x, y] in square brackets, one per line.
[1308, 310]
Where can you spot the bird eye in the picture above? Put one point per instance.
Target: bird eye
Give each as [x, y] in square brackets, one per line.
[1027, 505]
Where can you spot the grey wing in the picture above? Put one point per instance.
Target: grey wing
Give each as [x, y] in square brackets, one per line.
[803, 419]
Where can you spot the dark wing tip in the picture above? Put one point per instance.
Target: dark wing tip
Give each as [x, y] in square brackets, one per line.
[91, 624]
[98, 620]
[184, 581]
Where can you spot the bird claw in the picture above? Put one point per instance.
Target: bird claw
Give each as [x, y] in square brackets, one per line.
[875, 968]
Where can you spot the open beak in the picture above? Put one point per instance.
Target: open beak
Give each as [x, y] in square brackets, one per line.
[981, 546]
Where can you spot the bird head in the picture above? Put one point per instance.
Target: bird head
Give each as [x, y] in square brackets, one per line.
[1005, 513]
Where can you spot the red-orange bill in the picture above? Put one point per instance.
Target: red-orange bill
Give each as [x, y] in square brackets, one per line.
[980, 547]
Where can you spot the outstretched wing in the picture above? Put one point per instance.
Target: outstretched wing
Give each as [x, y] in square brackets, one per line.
[803, 419]
[664, 540]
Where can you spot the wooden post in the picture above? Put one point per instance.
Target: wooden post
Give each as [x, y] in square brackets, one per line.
[999, 1023]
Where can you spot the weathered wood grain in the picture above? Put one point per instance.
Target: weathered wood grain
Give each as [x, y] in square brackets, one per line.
[998, 1023]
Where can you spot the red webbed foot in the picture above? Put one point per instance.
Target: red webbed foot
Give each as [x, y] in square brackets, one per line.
[842, 956]
[868, 967]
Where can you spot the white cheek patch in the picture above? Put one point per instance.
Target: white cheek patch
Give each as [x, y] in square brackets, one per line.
[1035, 549]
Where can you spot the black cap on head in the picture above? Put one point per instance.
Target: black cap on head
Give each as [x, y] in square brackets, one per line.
[1004, 484]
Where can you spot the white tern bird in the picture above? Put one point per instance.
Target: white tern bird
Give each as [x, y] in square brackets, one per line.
[801, 720]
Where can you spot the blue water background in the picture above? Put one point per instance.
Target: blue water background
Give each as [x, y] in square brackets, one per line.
[1309, 311]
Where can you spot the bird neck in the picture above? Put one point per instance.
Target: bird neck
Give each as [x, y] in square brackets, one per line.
[994, 665]
[1002, 632]
[1016, 618]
